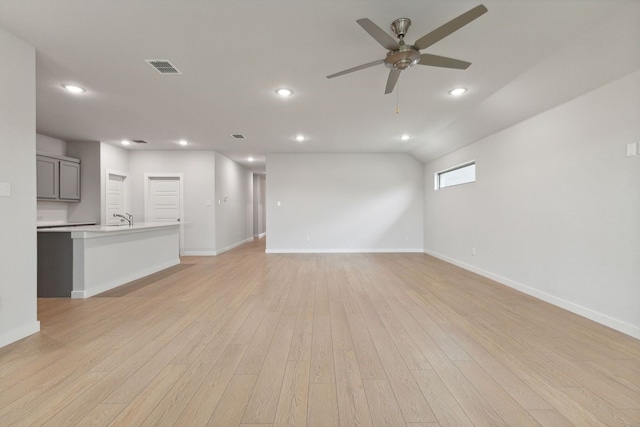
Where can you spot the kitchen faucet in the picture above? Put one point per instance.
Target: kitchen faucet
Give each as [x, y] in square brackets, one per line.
[128, 217]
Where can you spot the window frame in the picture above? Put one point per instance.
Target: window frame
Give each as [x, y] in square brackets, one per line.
[437, 175]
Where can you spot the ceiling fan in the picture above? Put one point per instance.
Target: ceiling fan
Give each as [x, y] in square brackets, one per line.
[402, 56]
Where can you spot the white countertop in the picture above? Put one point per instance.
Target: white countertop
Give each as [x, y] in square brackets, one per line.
[108, 229]
[63, 224]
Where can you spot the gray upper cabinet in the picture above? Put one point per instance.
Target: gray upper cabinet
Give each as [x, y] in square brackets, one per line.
[69, 180]
[47, 173]
[58, 178]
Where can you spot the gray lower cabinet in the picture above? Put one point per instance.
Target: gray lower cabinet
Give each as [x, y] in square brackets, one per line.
[55, 265]
[58, 178]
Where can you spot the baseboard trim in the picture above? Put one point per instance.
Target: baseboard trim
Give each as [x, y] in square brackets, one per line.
[342, 251]
[198, 253]
[123, 280]
[235, 245]
[588, 313]
[17, 334]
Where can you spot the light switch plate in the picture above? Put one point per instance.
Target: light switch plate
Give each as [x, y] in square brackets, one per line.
[5, 189]
[632, 149]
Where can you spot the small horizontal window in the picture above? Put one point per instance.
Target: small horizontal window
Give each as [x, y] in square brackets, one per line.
[461, 174]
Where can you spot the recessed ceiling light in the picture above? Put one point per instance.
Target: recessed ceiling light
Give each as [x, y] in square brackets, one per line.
[250, 159]
[457, 91]
[284, 92]
[405, 137]
[74, 88]
[183, 142]
[125, 142]
[300, 138]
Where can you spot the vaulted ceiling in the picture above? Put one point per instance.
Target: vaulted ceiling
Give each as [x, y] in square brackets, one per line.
[527, 56]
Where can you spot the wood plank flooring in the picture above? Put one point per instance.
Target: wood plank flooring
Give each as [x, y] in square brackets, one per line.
[251, 339]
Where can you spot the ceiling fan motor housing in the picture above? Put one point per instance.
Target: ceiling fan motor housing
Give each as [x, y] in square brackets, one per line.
[402, 58]
[400, 27]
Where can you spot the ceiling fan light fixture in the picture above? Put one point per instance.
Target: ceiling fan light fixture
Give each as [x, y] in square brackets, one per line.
[183, 142]
[457, 91]
[300, 138]
[405, 137]
[74, 89]
[125, 142]
[250, 159]
[284, 92]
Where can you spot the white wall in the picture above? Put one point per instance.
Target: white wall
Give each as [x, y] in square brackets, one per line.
[344, 203]
[18, 310]
[113, 158]
[555, 211]
[234, 212]
[198, 168]
[259, 207]
[48, 145]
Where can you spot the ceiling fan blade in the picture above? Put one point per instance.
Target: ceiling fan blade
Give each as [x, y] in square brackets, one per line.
[391, 81]
[443, 61]
[359, 67]
[450, 27]
[379, 34]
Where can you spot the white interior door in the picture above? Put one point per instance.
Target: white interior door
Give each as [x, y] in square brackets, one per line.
[115, 198]
[163, 200]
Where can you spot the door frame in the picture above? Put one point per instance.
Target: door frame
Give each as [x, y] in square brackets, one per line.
[147, 204]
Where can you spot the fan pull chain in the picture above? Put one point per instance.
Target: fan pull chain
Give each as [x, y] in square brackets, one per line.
[397, 98]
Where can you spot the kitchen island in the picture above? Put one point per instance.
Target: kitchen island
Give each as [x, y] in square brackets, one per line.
[80, 262]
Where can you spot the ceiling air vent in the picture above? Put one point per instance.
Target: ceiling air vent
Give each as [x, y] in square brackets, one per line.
[140, 141]
[163, 66]
[237, 136]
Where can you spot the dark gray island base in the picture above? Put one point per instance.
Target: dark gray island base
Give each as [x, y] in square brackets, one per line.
[55, 265]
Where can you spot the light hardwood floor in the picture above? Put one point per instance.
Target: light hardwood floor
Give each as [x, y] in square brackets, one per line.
[252, 339]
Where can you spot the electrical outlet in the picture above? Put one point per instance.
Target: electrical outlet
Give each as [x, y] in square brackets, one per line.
[632, 149]
[473, 251]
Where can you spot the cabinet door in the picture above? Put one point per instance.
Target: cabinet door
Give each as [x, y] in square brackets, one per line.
[47, 177]
[69, 180]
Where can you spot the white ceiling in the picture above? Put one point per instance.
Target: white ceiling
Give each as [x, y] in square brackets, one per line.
[527, 56]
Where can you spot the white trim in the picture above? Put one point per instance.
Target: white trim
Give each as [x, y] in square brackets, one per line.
[259, 236]
[124, 280]
[597, 317]
[17, 334]
[235, 245]
[189, 252]
[342, 251]
[180, 176]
